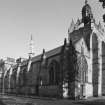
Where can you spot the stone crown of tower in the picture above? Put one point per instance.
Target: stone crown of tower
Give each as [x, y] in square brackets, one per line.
[86, 12]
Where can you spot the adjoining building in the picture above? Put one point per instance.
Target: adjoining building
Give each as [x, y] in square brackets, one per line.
[74, 70]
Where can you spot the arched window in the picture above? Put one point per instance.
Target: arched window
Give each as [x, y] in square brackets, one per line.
[83, 69]
[54, 73]
[51, 75]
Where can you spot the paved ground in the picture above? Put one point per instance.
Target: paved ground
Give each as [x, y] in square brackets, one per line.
[13, 100]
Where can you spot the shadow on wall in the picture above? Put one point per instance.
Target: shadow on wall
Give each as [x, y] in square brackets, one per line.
[1, 102]
[29, 104]
[95, 102]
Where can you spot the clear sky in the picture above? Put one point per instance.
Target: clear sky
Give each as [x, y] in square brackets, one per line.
[46, 20]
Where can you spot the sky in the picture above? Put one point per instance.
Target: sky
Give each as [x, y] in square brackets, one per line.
[47, 20]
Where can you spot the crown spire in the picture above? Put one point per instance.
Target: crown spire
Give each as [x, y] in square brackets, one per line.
[87, 15]
[86, 2]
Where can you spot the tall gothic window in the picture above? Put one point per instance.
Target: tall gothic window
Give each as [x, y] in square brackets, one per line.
[54, 73]
[83, 69]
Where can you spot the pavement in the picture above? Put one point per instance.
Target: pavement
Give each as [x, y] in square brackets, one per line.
[20, 100]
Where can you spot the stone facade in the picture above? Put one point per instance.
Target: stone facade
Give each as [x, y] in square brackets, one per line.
[45, 74]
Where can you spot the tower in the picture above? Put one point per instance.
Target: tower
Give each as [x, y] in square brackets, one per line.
[87, 14]
[31, 47]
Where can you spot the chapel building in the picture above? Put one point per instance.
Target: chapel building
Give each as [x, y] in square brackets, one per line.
[74, 70]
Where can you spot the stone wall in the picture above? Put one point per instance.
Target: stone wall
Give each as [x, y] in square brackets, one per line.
[103, 68]
[95, 64]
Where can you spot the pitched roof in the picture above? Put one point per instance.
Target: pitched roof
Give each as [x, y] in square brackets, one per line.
[48, 54]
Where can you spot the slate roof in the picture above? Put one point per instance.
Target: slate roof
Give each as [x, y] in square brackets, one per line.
[48, 54]
[38, 57]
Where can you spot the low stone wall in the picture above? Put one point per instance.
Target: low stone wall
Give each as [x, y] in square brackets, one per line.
[49, 91]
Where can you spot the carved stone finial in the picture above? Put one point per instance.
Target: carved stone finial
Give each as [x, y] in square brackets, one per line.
[44, 55]
[72, 27]
[65, 41]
